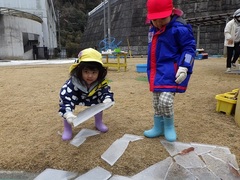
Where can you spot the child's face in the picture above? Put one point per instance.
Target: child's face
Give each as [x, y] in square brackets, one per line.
[90, 76]
[159, 23]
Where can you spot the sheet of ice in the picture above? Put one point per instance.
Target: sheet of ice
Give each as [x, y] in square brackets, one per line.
[118, 177]
[221, 150]
[90, 112]
[203, 174]
[77, 141]
[97, 173]
[155, 172]
[227, 158]
[210, 163]
[115, 151]
[174, 148]
[189, 160]
[82, 136]
[177, 172]
[86, 133]
[202, 148]
[55, 174]
[131, 137]
[219, 167]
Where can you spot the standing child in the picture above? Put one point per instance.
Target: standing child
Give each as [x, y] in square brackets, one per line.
[171, 52]
[86, 86]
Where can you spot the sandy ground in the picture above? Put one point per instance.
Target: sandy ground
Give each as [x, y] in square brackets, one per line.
[30, 122]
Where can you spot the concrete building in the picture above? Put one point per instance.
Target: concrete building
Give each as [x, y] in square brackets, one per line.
[127, 24]
[27, 29]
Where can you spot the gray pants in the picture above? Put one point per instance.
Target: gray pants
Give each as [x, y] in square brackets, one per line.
[163, 103]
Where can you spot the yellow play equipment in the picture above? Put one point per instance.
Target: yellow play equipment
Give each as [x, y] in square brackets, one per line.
[129, 49]
[237, 110]
[229, 103]
[226, 102]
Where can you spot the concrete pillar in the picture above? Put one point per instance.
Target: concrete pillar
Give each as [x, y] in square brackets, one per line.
[198, 36]
[109, 22]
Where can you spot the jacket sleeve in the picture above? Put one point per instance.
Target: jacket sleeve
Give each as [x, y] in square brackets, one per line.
[106, 92]
[228, 30]
[68, 98]
[187, 46]
[229, 33]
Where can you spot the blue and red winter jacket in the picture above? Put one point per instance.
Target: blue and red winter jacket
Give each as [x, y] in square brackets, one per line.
[169, 48]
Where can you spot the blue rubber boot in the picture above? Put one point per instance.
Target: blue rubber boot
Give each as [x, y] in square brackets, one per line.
[99, 124]
[157, 129]
[67, 131]
[169, 129]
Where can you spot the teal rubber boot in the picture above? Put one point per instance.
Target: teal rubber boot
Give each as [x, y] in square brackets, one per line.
[157, 129]
[169, 129]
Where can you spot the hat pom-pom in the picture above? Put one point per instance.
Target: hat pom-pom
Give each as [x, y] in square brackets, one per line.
[178, 12]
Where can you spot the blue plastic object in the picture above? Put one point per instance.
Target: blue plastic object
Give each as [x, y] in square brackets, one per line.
[141, 68]
[108, 43]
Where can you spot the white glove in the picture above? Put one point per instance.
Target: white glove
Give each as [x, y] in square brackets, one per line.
[107, 100]
[181, 75]
[69, 116]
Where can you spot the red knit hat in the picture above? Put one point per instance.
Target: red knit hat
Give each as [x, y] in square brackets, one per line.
[157, 9]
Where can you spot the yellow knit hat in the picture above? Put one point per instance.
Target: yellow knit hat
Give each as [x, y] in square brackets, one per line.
[87, 55]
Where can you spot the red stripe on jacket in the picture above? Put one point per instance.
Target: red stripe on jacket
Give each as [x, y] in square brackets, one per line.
[153, 66]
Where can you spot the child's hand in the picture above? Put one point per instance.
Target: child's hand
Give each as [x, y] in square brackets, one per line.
[69, 116]
[107, 100]
[181, 75]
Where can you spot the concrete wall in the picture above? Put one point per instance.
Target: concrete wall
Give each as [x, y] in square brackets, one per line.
[46, 31]
[50, 20]
[211, 36]
[127, 26]
[128, 22]
[11, 35]
[42, 8]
